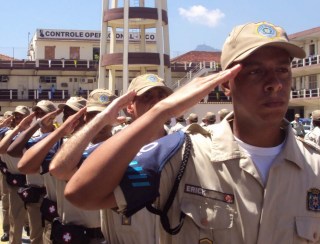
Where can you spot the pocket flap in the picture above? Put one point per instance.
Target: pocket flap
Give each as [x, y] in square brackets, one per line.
[208, 213]
[308, 228]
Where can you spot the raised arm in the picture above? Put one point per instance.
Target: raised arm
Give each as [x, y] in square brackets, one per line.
[65, 162]
[23, 125]
[19, 144]
[103, 170]
[6, 122]
[32, 159]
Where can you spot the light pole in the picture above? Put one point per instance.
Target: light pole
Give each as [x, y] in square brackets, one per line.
[28, 52]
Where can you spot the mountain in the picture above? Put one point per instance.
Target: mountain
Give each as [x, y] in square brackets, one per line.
[204, 47]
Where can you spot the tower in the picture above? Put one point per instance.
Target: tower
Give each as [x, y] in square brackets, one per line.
[134, 41]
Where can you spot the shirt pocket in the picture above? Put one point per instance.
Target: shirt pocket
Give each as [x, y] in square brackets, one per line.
[308, 229]
[208, 213]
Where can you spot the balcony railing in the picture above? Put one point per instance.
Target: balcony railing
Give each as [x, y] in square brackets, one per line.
[305, 93]
[34, 94]
[312, 60]
[58, 64]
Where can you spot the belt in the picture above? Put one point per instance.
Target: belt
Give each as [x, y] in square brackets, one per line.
[94, 233]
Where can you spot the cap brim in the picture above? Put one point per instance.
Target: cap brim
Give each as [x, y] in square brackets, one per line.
[293, 50]
[62, 105]
[145, 89]
[95, 109]
[44, 109]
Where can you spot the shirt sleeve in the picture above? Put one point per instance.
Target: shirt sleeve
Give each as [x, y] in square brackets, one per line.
[140, 184]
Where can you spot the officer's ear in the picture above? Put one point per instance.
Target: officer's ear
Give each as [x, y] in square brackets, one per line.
[226, 88]
[130, 109]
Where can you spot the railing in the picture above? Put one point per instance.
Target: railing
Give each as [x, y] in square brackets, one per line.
[196, 71]
[49, 64]
[305, 93]
[33, 94]
[312, 60]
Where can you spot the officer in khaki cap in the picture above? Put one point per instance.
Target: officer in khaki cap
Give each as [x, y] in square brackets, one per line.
[45, 112]
[98, 100]
[210, 120]
[192, 118]
[14, 179]
[145, 91]
[314, 134]
[34, 182]
[72, 105]
[248, 181]
[149, 89]
[223, 113]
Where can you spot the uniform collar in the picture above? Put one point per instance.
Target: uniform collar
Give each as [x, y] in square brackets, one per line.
[225, 147]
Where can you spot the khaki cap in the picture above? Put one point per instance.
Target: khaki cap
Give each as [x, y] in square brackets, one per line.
[143, 83]
[99, 99]
[245, 39]
[223, 111]
[7, 114]
[193, 117]
[210, 116]
[316, 115]
[45, 105]
[24, 110]
[75, 103]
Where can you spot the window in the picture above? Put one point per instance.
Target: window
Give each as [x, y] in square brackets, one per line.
[4, 78]
[312, 81]
[48, 79]
[49, 52]
[75, 53]
[301, 83]
[294, 84]
[64, 84]
[312, 50]
[96, 53]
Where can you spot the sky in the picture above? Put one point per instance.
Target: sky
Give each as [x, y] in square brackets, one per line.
[191, 22]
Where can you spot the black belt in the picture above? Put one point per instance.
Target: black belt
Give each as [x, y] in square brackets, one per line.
[94, 233]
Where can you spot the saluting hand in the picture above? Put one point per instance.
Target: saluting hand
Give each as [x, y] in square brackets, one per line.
[192, 93]
[47, 120]
[26, 122]
[72, 122]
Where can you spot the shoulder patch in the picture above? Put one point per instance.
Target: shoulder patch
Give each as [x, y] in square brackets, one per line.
[46, 162]
[3, 131]
[34, 140]
[87, 152]
[140, 183]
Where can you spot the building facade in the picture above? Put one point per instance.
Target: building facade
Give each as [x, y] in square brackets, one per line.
[68, 61]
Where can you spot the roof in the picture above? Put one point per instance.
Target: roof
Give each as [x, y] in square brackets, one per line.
[197, 56]
[311, 33]
[5, 57]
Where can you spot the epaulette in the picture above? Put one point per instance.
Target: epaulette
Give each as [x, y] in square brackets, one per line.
[196, 129]
[309, 143]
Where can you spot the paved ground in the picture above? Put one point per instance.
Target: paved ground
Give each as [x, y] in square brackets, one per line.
[25, 238]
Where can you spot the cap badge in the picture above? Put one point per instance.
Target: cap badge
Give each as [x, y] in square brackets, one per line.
[267, 30]
[313, 199]
[103, 98]
[152, 78]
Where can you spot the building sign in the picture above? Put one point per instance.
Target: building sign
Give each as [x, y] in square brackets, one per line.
[87, 35]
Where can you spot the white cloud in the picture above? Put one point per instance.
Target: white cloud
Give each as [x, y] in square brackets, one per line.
[201, 15]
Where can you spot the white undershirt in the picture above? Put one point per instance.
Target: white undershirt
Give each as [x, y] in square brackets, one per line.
[262, 157]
